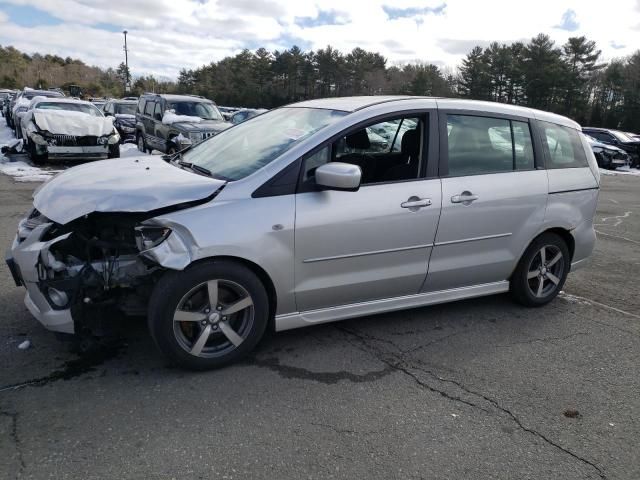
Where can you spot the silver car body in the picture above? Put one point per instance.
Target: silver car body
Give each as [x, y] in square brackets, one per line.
[331, 255]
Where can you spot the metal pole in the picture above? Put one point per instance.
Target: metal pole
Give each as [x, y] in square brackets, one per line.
[126, 64]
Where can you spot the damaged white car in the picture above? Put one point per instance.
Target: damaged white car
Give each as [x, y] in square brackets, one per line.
[68, 129]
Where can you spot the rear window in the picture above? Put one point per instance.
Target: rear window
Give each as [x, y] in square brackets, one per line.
[564, 146]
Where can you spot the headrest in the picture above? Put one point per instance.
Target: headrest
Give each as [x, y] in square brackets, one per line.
[410, 144]
[358, 140]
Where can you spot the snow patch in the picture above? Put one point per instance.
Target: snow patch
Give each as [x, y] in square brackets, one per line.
[24, 345]
[170, 117]
[23, 172]
[65, 122]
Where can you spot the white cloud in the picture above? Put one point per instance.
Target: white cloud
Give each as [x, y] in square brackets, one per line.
[167, 35]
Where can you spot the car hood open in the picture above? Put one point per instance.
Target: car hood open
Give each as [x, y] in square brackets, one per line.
[64, 122]
[124, 185]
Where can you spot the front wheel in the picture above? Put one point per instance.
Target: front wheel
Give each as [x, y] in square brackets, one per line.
[542, 271]
[114, 151]
[208, 315]
[34, 155]
[142, 146]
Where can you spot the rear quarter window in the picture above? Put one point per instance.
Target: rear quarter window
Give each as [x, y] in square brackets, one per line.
[563, 146]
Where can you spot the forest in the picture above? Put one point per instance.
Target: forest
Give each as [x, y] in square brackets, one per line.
[569, 79]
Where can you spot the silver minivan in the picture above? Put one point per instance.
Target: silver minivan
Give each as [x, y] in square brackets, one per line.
[310, 213]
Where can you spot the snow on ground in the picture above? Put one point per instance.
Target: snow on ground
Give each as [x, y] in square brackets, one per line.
[22, 170]
[621, 171]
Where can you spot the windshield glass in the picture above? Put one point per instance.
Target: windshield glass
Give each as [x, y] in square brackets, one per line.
[206, 111]
[125, 108]
[621, 136]
[239, 151]
[35, 93]
[71, 107]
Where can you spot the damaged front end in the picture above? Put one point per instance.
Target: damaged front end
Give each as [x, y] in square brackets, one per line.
[79, 274]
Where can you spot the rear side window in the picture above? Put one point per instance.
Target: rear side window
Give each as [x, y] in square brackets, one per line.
[148, 109]
[564, 146]
[141, 105]
[484, 145]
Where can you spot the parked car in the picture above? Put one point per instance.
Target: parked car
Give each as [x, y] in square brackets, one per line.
[64, 128]
[272, 222]
[634, 136]
[244, 115]
[21, 104]
[124, 118]
[170, 123]
[618, 139]
[227, 112]
[4, 104]
[99, 102]
[4, 94]
[608, 156]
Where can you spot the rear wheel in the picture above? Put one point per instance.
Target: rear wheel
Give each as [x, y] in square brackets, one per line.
[142, 146]
[208, 315]
[542, 271]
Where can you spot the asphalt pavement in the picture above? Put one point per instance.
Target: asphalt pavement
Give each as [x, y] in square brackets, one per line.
[478, 389]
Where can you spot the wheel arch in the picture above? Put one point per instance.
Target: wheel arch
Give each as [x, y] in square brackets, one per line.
[562, 232]
[260, 272]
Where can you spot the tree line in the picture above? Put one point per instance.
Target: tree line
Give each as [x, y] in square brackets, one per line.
[568, 79]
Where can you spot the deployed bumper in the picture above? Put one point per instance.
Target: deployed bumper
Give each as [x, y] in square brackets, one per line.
[98, 152]
[23, 259]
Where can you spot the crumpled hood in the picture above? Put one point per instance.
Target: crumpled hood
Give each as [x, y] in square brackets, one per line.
[123, 185]
[64, 122]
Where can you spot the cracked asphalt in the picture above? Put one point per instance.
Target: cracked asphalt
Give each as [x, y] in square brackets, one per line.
[479, 389]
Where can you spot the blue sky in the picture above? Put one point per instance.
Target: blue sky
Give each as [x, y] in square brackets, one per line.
[167, 35]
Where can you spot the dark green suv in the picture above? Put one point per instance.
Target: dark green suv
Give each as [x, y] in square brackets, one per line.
[171, 123]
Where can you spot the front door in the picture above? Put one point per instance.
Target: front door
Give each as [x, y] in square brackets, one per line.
[374, 243]
[493, 199]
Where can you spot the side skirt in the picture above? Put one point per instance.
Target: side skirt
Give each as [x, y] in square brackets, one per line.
[289, 321]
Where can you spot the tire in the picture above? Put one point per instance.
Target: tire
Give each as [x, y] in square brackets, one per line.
[527, 291]
[171, 149]
[35, 157]
[142, 145]
[114, 151]
[214, 338]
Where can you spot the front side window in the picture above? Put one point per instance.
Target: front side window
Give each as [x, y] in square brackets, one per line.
[148, 109]
[158, 111]
[244, 149]
[564, 146]
[387, 151]
[484, 145]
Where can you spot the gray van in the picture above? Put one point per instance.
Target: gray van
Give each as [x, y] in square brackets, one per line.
[311, 213]
[170, 123]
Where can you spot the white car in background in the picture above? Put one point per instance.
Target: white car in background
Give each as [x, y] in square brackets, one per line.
[64, 128]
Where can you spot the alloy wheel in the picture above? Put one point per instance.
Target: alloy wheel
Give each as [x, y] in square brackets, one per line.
[213, 318]
[545, 271]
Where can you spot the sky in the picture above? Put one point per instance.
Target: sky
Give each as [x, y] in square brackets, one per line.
[165, 36]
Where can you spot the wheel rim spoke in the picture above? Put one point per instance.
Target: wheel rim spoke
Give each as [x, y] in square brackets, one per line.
[554, 260]
[202, 340]
[239, 305]
[184, 316]
[543, 255]
[230, 333]
[212, 291]
[540, 287]
[532, 274]
[553, 278]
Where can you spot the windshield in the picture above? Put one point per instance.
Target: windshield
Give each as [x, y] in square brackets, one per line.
[125, 108]
[71, 107]
[206, 111]
[34, 93]
[621, 136]
[242, 150]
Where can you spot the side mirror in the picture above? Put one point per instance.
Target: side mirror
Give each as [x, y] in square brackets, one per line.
[339, 176]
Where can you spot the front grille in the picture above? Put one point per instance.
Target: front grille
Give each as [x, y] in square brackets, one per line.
[74, 141]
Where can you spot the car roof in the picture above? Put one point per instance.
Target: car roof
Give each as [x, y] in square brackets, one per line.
[121, 100]
[352, 104]
[177, 98]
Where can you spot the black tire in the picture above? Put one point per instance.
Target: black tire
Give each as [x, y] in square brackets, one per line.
[175, 338]
[527, 291]
[114, 151]
[35, 157]
[142, 145]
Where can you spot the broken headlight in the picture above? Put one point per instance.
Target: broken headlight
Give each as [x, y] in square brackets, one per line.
[150, 236]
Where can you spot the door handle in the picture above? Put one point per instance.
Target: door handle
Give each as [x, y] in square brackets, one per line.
[464, 198]
[415, 203]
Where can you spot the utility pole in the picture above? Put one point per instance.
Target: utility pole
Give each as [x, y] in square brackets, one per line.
[126, 64]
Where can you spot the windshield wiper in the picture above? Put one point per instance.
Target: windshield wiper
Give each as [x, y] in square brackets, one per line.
[195, 168]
